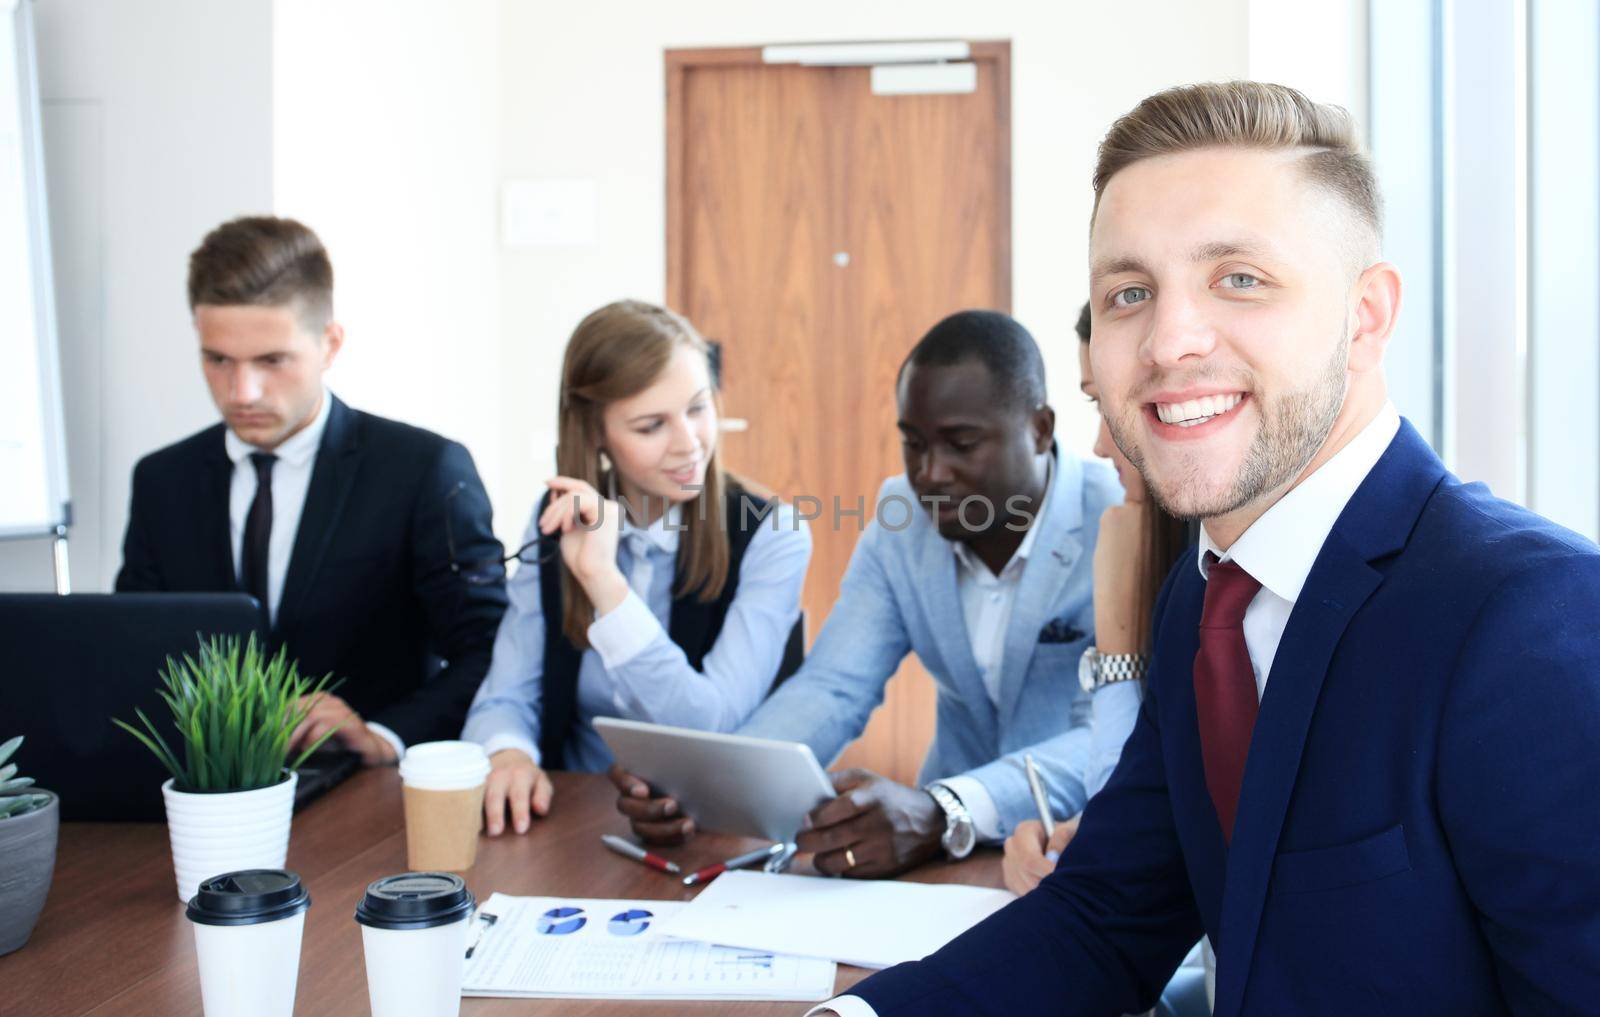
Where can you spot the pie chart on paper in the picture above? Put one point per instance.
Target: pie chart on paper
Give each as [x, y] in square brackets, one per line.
[629, 923]
[562, 921]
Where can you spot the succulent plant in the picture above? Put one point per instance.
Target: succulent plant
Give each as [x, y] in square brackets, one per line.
[14, 799]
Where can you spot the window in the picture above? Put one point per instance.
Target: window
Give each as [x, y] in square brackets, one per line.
[1486, 134]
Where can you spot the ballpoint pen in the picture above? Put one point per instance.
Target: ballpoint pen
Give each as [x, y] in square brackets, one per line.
[1040, 801]
[487, 922]
[738, 861]
[639, 854]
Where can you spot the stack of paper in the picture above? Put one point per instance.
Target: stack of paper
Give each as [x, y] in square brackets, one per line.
[614, 949]
[874, 924]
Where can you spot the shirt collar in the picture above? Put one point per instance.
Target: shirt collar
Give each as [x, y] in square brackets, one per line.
[297, 450]
[1279, 548]
[966, 557]
[661, 535]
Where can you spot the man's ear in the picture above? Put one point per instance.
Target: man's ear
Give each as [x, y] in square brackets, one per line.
[1043, 424]
[332, 342]
[1375, 307]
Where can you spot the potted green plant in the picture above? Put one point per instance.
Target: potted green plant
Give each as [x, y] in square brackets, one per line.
[29, 821]
[231, 794]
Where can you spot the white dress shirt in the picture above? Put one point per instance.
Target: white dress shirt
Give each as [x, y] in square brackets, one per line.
[1279, 550]
[291, 480]
[987, 600]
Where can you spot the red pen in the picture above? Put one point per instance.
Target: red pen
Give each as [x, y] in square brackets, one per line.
[639, 854]
[738, 861]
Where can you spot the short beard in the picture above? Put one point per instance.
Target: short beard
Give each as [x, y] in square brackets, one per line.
[1292, 431]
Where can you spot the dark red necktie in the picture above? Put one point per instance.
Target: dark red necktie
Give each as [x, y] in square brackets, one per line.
[1225, 686]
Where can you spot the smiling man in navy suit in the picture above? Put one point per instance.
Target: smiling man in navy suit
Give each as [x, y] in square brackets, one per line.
[338, 522]
[1366, 758]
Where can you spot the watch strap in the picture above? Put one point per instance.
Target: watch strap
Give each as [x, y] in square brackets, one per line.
[1120, 667]
[955, 813]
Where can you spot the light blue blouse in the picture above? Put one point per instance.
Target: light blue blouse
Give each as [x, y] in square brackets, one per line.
[1113, 708]
[633, 669]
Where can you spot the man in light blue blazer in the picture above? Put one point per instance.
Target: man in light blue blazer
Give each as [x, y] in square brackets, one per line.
[978, 561]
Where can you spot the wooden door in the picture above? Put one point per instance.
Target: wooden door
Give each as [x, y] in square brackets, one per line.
[817, 230]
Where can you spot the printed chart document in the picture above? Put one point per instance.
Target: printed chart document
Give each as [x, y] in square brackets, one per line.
[614, 949]
[873, 924]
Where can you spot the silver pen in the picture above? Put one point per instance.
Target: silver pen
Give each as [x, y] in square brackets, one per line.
[629, 850]
[1040, 801]
[737, 862]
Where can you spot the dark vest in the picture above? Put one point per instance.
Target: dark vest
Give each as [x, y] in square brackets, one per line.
[692, 624]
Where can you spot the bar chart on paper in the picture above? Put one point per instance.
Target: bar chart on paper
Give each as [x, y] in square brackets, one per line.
[613, 949]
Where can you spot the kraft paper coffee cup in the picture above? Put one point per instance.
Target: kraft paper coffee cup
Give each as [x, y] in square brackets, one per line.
[247, 929]
[443, 789]
[414, 937]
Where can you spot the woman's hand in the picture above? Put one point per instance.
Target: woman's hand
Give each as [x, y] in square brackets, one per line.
[1118, 567]
[1026, 861]
[516, 784]
[590, 527]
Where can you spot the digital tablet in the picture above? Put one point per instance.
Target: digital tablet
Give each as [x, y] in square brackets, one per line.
[752, 787]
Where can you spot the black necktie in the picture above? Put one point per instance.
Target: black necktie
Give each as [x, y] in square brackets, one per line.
[258, 533]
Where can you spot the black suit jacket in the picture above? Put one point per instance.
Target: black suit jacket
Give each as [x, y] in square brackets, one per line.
[370, 594]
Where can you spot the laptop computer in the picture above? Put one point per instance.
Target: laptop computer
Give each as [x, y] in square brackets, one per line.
[73, 663]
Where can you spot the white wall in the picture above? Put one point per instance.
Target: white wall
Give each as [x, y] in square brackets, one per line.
[153, 134]
[386, 142]
[389, 126]
[583, 98]
[1319, 48]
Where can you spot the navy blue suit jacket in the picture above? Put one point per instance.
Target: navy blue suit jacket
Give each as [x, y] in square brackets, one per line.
[370, 594]
[1417, 830]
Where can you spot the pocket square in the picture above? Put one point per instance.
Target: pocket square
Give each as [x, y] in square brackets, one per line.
[1059, 630]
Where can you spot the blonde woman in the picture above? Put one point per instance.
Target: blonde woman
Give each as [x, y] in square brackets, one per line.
[660, 589]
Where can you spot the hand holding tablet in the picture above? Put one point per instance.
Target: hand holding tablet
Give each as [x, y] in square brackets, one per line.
[751, 787]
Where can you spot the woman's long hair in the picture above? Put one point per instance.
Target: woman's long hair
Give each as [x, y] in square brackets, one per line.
[617, 352]
[1163, 538]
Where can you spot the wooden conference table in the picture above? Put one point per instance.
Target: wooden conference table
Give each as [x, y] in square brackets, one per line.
[113, 939]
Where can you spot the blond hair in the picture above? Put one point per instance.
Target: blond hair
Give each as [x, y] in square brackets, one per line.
[617, 352]
[1248, 114]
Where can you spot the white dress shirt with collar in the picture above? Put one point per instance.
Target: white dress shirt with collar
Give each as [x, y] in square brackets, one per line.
[1279, 550]
[291, 481]
[986, 603]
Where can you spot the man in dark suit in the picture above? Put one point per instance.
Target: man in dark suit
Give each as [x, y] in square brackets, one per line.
[1366, 759]
[340, 523]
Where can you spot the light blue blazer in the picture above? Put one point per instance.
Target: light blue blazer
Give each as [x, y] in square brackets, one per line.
[899, 596]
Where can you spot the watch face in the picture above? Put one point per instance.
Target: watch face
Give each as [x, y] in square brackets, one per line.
[959, 839]
[1086, 669]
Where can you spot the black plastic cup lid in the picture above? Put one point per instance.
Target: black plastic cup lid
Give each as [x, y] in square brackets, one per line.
[249, 897]
[415, 900]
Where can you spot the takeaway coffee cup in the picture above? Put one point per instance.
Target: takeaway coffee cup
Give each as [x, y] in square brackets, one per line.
[443, 788]
[247, 928]
[414, 934]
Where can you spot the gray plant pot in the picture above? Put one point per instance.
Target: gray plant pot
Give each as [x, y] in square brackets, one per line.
[27, 861]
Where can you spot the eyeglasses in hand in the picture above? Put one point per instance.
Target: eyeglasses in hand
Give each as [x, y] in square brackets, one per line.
[482, 571]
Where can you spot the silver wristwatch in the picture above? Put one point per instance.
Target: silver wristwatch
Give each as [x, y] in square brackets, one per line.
[1096, 669]
[960, 836]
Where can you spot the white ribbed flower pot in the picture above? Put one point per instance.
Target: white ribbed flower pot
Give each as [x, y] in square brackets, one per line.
[227, 831]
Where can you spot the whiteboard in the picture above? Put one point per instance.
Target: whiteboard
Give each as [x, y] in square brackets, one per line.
[33, 459]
